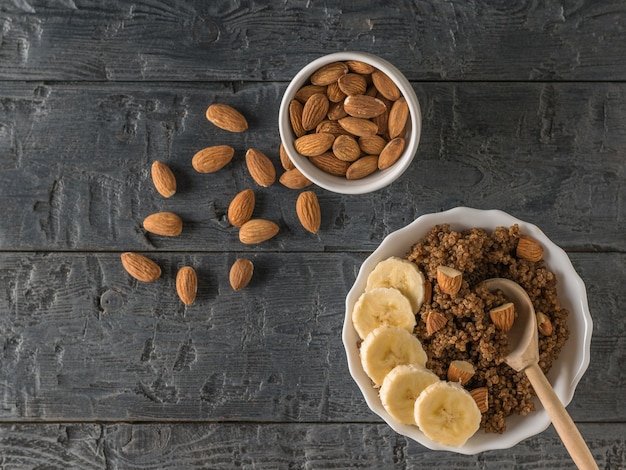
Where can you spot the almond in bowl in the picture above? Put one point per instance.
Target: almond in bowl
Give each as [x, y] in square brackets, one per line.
[350, 122]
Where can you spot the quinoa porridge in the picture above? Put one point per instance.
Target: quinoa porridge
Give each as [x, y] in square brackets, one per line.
[469, 334]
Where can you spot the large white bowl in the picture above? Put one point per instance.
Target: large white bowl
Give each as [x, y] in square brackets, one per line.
[338, 184]
[566, 371]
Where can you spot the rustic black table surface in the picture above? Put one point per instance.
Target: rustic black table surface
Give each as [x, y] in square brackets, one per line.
[524, 107]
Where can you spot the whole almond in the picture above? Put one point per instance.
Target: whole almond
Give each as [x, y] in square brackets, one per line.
[363, 167]
[330, 164]
[314, 111]
[294, 179]
[240, 273]
[163, 179]
[358, 126]
[285, 161]
[226, 117]
[372, 144]
[241, 208]
[336, 111]
[257, 231]
[212, 159]
[141, 268]
[163, 223]
[311, 145]
[309, 212]
[352, 84]
[329, 73]
[363, 106]
[391, 153]
[330, 127]
[358, 66]
[385, 85]
[295, 117]
[187, 284]
[260, 167]
[304, 93]
[398, 115]
[346, 148]
[334, 93]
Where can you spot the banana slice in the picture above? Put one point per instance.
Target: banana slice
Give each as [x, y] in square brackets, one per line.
[382, 306]
[400, 389]
[386, 347]
[446, 413]
[401, 274]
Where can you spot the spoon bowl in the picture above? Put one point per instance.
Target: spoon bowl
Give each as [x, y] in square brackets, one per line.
[524, 356]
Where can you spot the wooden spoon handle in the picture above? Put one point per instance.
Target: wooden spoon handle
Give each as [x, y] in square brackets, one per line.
[565, 427]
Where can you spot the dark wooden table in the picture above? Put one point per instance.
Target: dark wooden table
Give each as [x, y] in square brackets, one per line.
[524, 107]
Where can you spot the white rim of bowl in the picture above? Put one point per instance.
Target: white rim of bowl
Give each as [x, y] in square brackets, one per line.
[342, 185]
[564, 384]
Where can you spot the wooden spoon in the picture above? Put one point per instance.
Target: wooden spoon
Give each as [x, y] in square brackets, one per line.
[524, 356]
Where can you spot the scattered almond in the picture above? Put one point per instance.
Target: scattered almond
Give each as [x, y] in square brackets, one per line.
[285, 161]
[434, 322]
[428, 292]
[260, 167]
[449, 279]
[257, 231]
[164, 223]
[241, 208]
[460, 371]
[212, 159]
[187, 284]
[544, 325]
[294, 179]
[503, 316]
[226, 117]
[481, 397]
[309, 212]
[363, 167]
[529, 249]
[241, 273]
[140, 267]
[163, 179]
[391, 153]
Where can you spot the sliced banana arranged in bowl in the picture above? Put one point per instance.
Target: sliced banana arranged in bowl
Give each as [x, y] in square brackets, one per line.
[393, 357]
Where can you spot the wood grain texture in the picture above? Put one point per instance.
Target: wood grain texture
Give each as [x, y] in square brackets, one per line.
[311, 446]
[76, 165]
[82, 340]
[253, 40]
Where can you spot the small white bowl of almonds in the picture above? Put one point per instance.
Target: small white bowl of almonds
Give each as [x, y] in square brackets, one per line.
[350, 122]
[431, 365]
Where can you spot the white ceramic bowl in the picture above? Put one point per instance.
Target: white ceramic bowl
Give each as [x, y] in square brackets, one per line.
[378, 179]
[566, 371]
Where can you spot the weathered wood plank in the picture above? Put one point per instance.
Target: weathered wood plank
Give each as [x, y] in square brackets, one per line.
[253, 40]
[81, 340]
[276, 446]
[75, 162]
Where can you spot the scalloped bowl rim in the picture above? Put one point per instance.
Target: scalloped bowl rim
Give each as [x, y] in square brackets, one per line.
[566, 371]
